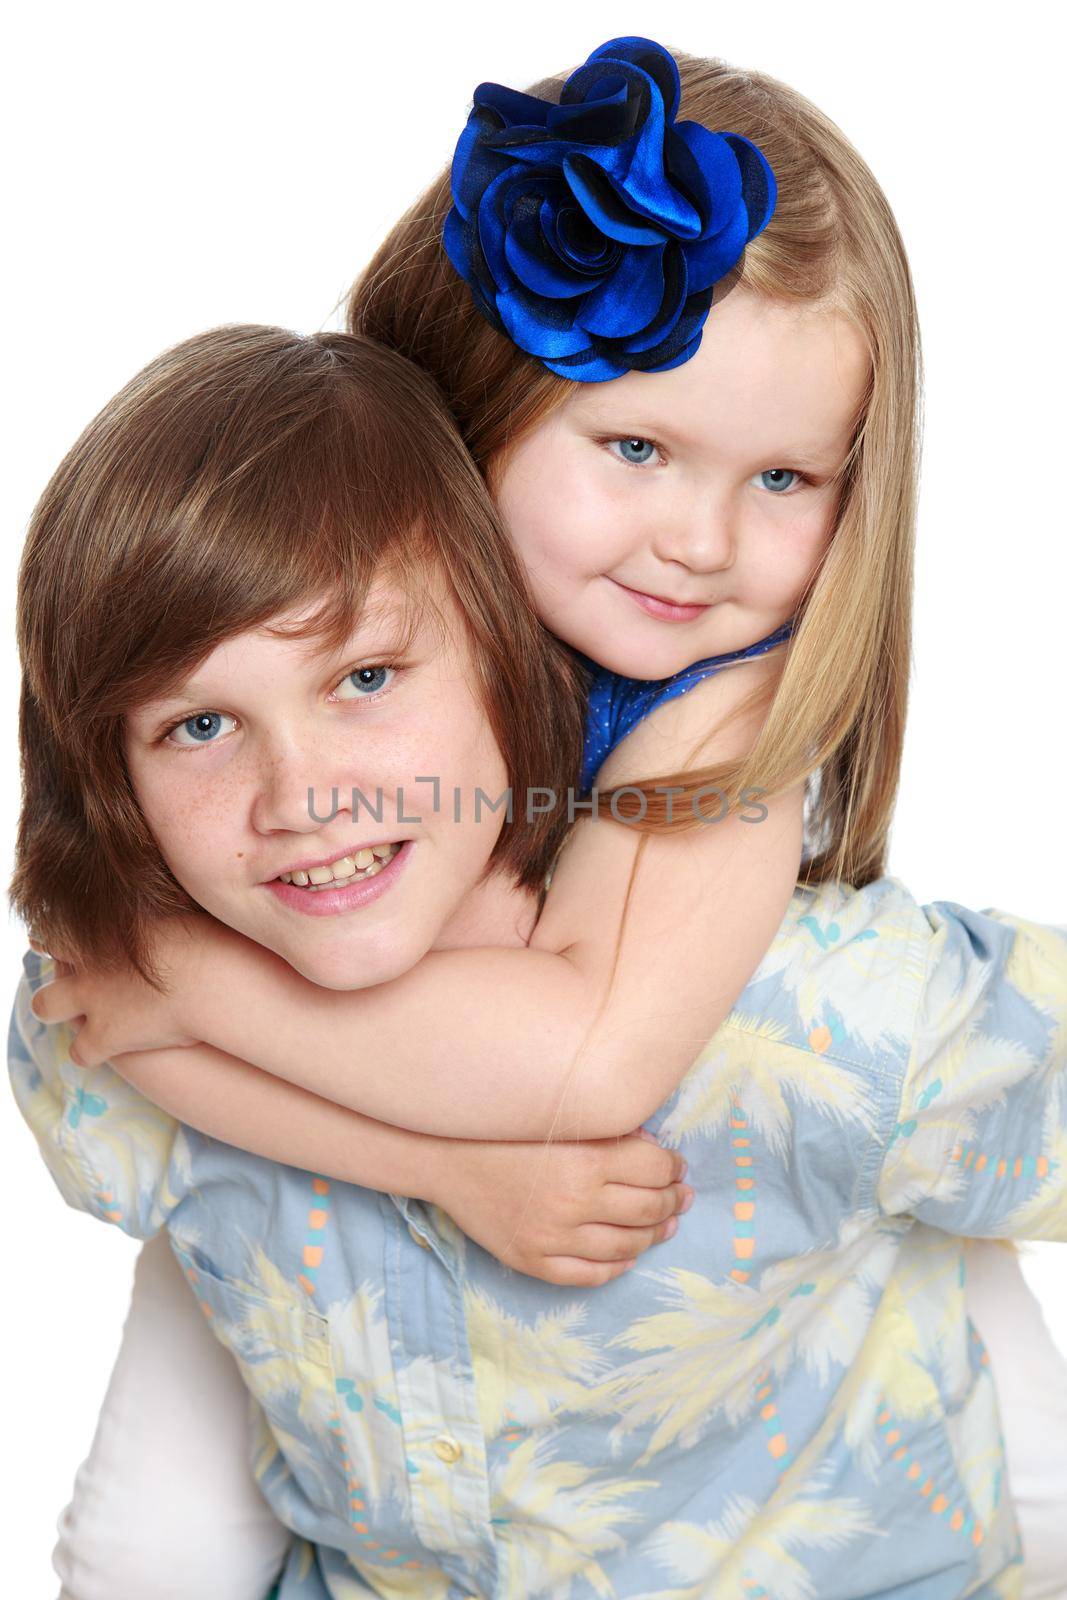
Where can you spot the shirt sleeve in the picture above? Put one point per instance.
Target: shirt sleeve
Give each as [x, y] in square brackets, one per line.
[111, 1152]
[980, 1144]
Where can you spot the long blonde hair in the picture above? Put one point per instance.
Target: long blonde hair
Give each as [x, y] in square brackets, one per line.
[835, 718]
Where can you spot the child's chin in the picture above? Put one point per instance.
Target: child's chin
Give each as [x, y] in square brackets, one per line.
[349, 964]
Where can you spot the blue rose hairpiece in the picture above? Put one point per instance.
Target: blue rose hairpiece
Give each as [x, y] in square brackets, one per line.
[592, 232]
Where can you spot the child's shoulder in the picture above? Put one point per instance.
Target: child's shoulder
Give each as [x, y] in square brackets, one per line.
[873, 963]
[844, 974]
[690, 729]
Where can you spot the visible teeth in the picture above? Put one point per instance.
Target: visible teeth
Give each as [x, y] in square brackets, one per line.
[371, 872]
[364, 864]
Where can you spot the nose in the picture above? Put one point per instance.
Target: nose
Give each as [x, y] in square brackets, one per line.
[297, 788]
[700, 534]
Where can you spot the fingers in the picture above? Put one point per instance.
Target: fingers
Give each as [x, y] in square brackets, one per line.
[635, 1220]
[605, 1246]
[574, 1272]
[612, 1251]
[639, 1161]
[600, 1242]
[628, 1207]
[640, 1219]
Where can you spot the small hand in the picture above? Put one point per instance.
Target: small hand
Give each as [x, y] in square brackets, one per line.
[117, 1011]
[577, 1214]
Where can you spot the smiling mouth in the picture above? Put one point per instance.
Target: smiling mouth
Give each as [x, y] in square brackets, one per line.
[348, 869]
[678, 605]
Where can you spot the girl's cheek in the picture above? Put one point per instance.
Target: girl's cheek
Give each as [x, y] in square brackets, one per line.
[538, 545]
[809, 540]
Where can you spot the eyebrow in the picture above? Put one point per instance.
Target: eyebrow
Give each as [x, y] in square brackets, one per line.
[372, 622]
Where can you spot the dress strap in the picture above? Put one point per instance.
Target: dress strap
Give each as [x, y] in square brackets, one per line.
[617, 704]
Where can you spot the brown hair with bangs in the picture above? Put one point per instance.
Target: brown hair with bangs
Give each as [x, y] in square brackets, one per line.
[836, 715]
[246, 473]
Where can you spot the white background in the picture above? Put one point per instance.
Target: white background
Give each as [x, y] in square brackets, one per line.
[174, 167]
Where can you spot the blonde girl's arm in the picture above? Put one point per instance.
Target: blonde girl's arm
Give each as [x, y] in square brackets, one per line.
[573, 1214]
[576, 1214]
[527, 1043]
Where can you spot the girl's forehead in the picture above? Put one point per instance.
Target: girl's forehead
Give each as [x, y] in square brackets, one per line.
[767, 373]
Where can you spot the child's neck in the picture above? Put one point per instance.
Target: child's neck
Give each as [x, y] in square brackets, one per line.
[495, 912]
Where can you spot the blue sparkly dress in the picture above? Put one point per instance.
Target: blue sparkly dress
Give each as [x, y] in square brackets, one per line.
[616, 704]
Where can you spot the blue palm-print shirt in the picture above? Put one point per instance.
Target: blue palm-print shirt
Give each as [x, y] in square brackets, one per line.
[786, 1400]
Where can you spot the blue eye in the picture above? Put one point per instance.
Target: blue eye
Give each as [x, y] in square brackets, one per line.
[200, 729]
[365, 681]
[777, 474]
[636, 452]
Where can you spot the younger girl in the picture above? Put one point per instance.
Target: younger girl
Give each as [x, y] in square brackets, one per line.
[729, 565]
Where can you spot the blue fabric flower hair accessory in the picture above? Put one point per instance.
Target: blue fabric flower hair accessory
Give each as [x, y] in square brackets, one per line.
[592, 232]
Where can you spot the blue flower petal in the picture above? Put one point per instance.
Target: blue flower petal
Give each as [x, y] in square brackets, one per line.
[675, 291]
[454, 237]
[708, 260]
[524, 318]
[593, 231]
[576, 240]
[590, 122]
[684, 354]
[635, 167]
[538, 274]
[475, 164]
[589, 367]
[492, 226]
[638, 171]
[604, 206]
[629, 299]
[515, 110]
[460, 163]
[706, 164]
[651, 58]
[460, 245]
[540, 269]
[759, 186]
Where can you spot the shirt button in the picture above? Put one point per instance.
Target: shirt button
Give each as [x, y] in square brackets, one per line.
[418, 1238]
[447, 1448]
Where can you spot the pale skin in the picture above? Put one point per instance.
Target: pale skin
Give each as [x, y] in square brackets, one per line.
[573, 1214]
[669, 485]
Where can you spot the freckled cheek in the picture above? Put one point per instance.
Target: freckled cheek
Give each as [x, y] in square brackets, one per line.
[458, 747]
[193, 825]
